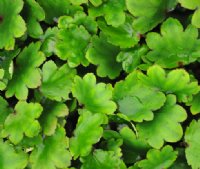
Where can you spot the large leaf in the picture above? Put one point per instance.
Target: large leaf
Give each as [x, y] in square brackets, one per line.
[170, 52]
[95, 97]
[166, 124]
[26, 73]
[11, 23]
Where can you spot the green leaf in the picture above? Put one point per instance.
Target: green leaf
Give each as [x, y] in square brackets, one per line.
[52, 112]
[5, 110]
[132, 58]
[26, 68]
[10, 159]
[33, 14]
[123, 36]
[177, 82]
[11, 23]
[95, 97]
[2, 84]
[192, 137]
[22, 122]
[57, 82]
[56, 8]
[112, 10]
[195, 104]
[52, 153]
[103, 160]
[72, 44]
[149, 14]
[165, 126]
[105, 59]
[137, 101]
[170, 52]
[163, 158]
[192, 5]
[88, 132]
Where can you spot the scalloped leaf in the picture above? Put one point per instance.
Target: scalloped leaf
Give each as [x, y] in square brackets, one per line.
[95, 97]
[170, 52]
[88, 132]
[100, 159]
[163, 158]
[10, 159]
[137, 101]
[52, 153]
[33, 14]
[112, 10]
[11, 23]
[24, 69]
[195, 104]
[192, 137]
[165, 126]
[22, 122]
[149, 14]
[57, 82]
[93, 2]
[105, 59]
[176, 82]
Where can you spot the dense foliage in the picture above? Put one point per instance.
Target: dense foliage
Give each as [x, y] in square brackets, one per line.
[99, 84]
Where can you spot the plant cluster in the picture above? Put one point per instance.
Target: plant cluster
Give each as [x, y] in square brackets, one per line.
[99, 84]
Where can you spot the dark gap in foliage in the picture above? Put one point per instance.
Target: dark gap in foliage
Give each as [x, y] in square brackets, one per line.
[195, 68]
[1, 19]
[12, 101]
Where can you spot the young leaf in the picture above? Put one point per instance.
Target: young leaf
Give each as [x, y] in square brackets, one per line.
[149, 14]
[103, 160]
[57, 82]
[168, 51]
[52, 153]
[26, 73]
[163, 158]
[33, 14]
[137, 101]
[52, 111]
[192, 137]
[11, 159]
[11, 23]
[112, 10]
[88, 132]
[95, 97]
[176, 82]
[165, 126]
[105, 59]
[2, 84]
[72, 44]
[22, 122]
[192, 5]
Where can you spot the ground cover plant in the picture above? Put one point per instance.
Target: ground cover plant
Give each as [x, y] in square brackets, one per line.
[99, 84]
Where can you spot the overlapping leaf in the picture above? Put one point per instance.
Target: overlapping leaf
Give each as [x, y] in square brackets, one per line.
[166, 124]
[170, 52]
[11, 23]
[2, 84]
[95, 97]
[26, 73]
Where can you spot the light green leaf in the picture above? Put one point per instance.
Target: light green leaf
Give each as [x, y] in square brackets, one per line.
[149, 13]
[79, 2]
[177, 82]
[165, 126]
[158, 159]
[11, 23]
[57, 82]
[195, 104]
[170, 52]
[88, 132]
[23, 121]
[103, 54]
[103, 160]
[26, 68]
[112, 10]
[52, 153]
[52, 112]
[192, 137]
[95, 97]
[2, 84]
[11, 159]
[72, 44]
[33, 14]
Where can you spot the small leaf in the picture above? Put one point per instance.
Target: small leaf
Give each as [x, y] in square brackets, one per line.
[2, 84]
